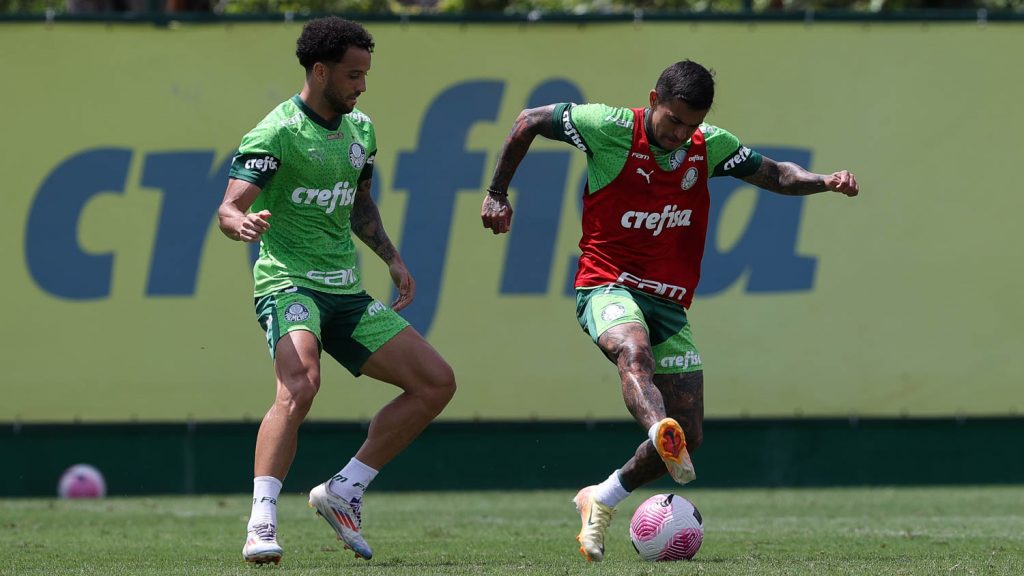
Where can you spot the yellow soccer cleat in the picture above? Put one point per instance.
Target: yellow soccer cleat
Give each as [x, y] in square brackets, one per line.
[670, 442]
[595, 517]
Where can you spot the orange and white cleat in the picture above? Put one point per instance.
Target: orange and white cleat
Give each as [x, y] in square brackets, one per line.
[595, 518]
[261, 545]
[670, 442]
[344, 516]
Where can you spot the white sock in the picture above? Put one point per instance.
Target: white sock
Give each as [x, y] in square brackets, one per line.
[652, 433]
[352, 480]
[265, 490]
[610, 492]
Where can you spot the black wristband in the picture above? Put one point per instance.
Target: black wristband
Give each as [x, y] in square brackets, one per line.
[496, 192]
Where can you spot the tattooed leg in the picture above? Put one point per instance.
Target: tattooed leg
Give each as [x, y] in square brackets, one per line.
[684, 401]
[683, 396]
[628, 346]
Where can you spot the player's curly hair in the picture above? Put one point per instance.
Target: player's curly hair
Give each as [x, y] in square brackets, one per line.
[326, 39]
[689, 82]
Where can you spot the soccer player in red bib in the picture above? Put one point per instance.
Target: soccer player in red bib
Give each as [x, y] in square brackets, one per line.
[645, 220]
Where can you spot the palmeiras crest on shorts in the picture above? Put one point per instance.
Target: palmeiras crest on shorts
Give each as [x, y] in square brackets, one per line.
[296, 312]
[689, 179]
[612, 312]
[357, 155]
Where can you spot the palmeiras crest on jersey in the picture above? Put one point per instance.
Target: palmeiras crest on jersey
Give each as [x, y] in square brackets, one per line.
[296, 312]
[689, 179]
[612, 312]
[677, 159]
[357, 155]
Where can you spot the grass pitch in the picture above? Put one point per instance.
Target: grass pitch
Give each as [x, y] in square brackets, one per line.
[946, 531]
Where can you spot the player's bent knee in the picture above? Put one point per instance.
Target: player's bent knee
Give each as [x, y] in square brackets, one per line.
[442, 385]
[435, 385]
[298, 393]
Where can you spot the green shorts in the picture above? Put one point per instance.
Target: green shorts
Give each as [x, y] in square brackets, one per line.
[349, 327]
[601, 308]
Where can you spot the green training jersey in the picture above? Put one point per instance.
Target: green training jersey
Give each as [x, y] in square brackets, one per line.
[308, 170]
[605, 133]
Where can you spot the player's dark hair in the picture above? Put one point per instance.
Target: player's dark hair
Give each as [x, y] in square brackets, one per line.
[689, 82]
[326, 39]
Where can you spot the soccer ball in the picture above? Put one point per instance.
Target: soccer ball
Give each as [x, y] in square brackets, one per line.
[81, 481]
[666, 527]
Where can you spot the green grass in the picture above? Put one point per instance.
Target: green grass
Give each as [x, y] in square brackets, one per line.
[940, 531]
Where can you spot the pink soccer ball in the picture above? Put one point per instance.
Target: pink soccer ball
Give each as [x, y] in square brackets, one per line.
[81, 481]
[666, 527]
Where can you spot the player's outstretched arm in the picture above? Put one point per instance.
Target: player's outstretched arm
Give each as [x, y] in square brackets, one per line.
[496, 212]
[232, 217]
[366, 224]
[793, 180]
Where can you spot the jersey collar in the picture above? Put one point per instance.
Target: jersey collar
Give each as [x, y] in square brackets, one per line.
[309, 112]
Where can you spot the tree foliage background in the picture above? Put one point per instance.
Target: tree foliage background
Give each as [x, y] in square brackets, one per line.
[451, 7]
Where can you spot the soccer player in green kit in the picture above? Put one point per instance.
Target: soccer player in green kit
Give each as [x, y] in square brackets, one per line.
[645, 218]
[300, 186]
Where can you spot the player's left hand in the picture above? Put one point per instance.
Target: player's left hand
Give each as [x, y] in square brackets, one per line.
[843, 182]
[404, 282]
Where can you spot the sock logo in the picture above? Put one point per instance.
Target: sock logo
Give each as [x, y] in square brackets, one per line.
[340, 479]
[264, 499]
[359, 485]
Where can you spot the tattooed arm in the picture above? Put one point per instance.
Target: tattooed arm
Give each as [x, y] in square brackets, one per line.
[792, 180]
[496, 211]
[366, 224]
[529, 124]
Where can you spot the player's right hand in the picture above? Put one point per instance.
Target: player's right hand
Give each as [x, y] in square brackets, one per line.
[496, 213]
[253, 226]
[844, 182]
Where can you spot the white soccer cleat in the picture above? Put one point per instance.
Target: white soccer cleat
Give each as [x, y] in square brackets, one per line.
[595, 518]
[670, 442]
[261, 545]
[344, 516]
